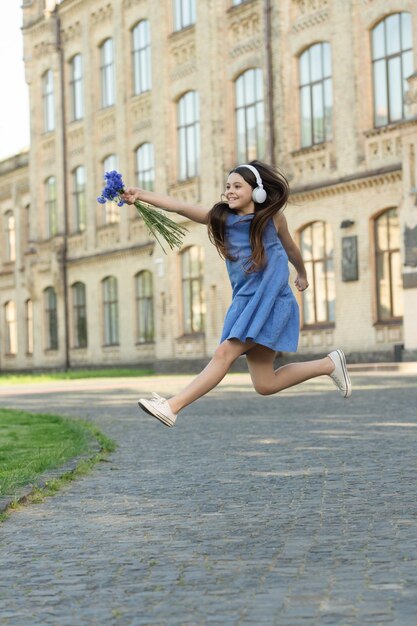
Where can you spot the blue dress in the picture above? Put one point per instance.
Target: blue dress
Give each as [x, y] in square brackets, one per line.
[264, 309]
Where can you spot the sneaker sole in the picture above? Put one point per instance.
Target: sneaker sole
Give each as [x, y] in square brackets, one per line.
[151, 411]
[346, 376]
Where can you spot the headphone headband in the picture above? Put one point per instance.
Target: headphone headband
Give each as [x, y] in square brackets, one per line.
[254, 171]
[259, 193]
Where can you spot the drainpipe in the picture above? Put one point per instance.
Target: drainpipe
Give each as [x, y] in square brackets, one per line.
[64, 269]
[269, 79]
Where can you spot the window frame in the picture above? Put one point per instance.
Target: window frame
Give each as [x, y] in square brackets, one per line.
[51, 207]
[313, 291]
[145, 315]
[110, 311]
[107, 74]
[79, 315]
[141, 57]
[77, 87]
[79, 198]
[179, 14]
[51, 319]
[250, 108]
[10, 320]
[317, 90]
[389, 252]
[188, 135]
[187, 292]
[386, 59]
[48, 99]
[145, 166]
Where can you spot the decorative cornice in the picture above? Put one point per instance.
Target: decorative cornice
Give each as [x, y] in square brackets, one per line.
[311, 20]
[348, 184]
[112, 254]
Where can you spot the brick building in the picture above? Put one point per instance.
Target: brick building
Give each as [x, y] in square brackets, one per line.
[173, 94]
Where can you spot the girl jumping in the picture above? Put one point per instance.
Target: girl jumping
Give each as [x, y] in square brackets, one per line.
[250, 232]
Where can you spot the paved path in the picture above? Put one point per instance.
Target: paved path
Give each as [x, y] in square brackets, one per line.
[297, 509]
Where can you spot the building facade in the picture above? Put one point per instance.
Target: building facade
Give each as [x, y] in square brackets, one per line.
[173, 94]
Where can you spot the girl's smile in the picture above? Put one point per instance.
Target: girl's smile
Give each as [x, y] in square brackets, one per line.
[239, 194]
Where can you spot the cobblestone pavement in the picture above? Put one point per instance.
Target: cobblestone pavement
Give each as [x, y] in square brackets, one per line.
[289, 510]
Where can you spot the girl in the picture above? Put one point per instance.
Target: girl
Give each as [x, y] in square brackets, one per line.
[250, 232]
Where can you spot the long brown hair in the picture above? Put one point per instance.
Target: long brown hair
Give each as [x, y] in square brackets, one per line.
[277, 192]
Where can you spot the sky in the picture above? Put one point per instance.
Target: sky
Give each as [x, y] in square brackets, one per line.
[14, 102]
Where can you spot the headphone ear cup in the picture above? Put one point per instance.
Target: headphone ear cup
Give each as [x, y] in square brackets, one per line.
[259, 195]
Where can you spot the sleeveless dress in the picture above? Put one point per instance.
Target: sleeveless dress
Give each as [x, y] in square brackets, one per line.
[263, 309]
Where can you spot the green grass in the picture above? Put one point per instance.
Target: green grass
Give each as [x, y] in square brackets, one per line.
[30, 444]
[8, 379]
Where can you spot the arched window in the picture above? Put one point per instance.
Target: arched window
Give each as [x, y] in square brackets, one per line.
[388, 266]
[316, 99]
[79, 308]
[192, 289]
[108, 93]
[250, 116]
[141, 52]
[145, 166]
[51, 209]
[316, 241]
[11, 327]
[10, 224]
[79, 198]
[110, 311]
[77, 95]
[111, 210]
[48, 101]
[29, 326]
[144, 307]
[392, 59]
[184, 13]
[188, 115]
[51, 318]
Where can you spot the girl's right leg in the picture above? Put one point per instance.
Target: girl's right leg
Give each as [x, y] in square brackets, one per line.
[226, 354]
[267, 381]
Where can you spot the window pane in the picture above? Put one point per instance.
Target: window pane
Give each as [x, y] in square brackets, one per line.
[397, 288]
[316, 62]
[320, 292]
[318, 240]
[380, 93]
[327, 60]
[406, 31]
[382, 233]
[306, 121]
[392, 31]
[328, 109]
[384, 305]
[378, 41]
[407, 58]
[395, 88]
[304, 68]
[308, 299]
[318, 113]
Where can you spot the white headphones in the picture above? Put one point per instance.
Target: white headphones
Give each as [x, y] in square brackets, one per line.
[259, 193]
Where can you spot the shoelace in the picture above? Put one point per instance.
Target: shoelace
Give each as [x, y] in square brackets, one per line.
[159, 399]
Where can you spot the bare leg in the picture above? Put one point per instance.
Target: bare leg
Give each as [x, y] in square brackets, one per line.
[267, 381]
[225, 355]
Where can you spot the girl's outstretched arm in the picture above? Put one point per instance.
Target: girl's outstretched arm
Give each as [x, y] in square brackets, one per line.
[168, 203]
[293, 252]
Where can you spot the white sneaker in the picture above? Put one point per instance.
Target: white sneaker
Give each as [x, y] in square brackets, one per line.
[159, 408]
[340, 374]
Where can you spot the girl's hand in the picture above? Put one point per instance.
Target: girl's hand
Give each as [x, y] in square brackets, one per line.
[301, 282]
[131, 194]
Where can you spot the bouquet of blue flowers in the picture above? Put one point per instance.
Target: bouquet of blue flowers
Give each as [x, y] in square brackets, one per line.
[156, 222]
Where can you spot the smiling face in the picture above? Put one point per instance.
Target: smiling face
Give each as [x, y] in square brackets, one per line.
[239, 194]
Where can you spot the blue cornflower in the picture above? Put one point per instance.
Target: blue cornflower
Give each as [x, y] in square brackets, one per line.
[114, 187]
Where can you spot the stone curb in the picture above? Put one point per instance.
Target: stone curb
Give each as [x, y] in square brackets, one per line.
[405, 367]
[21, 496]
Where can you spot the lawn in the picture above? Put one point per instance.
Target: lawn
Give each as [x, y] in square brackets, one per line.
[11, 378]
[30, 444]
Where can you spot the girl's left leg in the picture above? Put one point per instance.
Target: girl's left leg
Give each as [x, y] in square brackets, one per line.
[267, 381]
